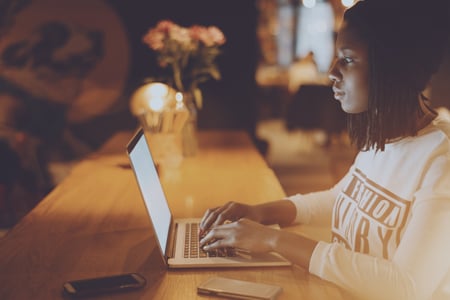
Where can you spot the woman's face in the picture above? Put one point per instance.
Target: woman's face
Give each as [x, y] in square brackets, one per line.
[350, 71]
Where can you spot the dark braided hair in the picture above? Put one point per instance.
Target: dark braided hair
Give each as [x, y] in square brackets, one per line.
[406, 41]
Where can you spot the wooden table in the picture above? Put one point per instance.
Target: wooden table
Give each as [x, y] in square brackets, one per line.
[94, 224]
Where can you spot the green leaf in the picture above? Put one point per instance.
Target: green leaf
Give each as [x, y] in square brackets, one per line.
[215, 73]
[198, 97]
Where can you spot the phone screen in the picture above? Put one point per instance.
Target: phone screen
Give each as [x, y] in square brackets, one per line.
[104, 284]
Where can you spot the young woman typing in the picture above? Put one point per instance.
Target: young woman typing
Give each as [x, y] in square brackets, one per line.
[390, 214]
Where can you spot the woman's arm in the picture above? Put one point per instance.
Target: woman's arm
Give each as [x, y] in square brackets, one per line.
[276, 212]
[316, 208]
[310, 208]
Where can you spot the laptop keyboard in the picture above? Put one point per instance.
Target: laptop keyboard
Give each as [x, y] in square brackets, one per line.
[193, 250]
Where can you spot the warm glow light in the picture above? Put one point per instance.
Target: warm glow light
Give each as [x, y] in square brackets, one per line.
[347, 3]
[159, 108]
[156, 103]
[154, 96]
[157, 90]
[309, 3]
[179, 97]
[179, 100]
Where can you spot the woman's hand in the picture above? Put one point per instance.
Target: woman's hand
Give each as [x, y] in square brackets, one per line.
[280, 212]
[242, 234]
[248, 235]
[232, 211]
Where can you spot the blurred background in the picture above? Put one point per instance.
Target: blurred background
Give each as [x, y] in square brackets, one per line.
[69, 67]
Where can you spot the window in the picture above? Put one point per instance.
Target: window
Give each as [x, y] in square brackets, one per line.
[288, 30]
[315, 33]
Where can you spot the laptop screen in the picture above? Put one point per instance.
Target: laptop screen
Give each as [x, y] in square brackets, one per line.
[150, 186]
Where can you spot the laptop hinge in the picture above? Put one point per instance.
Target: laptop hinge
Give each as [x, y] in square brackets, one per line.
[172, 240]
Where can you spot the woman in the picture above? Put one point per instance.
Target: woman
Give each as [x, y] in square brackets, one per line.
[390, 214]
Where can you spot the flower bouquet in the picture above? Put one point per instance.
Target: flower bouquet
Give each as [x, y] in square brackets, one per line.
[190, 52]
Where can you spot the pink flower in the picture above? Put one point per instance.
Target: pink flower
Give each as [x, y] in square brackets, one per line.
[180, 34]
[154, 39]
[165, 26]
[210, 36]
[216, 35]
[200, 33]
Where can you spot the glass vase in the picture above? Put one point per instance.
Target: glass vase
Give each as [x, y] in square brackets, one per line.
[163, 131]
[189, 132]
[167, 150]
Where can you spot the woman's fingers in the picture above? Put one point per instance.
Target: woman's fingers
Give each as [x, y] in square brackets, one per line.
[228, 213]
[217, 237]
[207, 219]
[219, 215]
[211, 217]
[244, 234]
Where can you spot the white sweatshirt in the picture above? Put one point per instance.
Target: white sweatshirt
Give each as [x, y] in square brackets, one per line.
[390, 220]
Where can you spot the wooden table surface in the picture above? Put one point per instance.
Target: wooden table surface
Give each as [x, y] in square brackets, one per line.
[94, 224]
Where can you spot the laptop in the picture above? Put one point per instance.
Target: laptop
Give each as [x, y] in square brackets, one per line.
[178, 238]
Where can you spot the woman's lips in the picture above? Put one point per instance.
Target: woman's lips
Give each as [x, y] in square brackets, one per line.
[338, 94]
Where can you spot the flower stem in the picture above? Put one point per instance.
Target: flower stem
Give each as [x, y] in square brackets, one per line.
[177, 77]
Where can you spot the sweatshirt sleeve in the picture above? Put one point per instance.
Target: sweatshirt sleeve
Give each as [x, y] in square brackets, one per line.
[316, 208]
[420, 261]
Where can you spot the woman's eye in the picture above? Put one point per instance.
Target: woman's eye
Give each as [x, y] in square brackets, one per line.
[347, 60]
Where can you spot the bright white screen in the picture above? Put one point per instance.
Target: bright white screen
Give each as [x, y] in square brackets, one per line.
[151, 190]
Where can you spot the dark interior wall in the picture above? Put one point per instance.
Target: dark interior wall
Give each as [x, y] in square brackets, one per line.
[228, 103]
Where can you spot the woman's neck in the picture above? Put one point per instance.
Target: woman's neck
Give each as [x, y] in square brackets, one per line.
[426, 114]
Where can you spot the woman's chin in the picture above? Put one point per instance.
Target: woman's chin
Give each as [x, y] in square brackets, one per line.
[352, 110]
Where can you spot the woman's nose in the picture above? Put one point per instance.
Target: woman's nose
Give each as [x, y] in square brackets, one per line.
[333, 73]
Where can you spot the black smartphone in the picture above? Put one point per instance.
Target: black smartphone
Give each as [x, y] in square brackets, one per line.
[101, 285]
